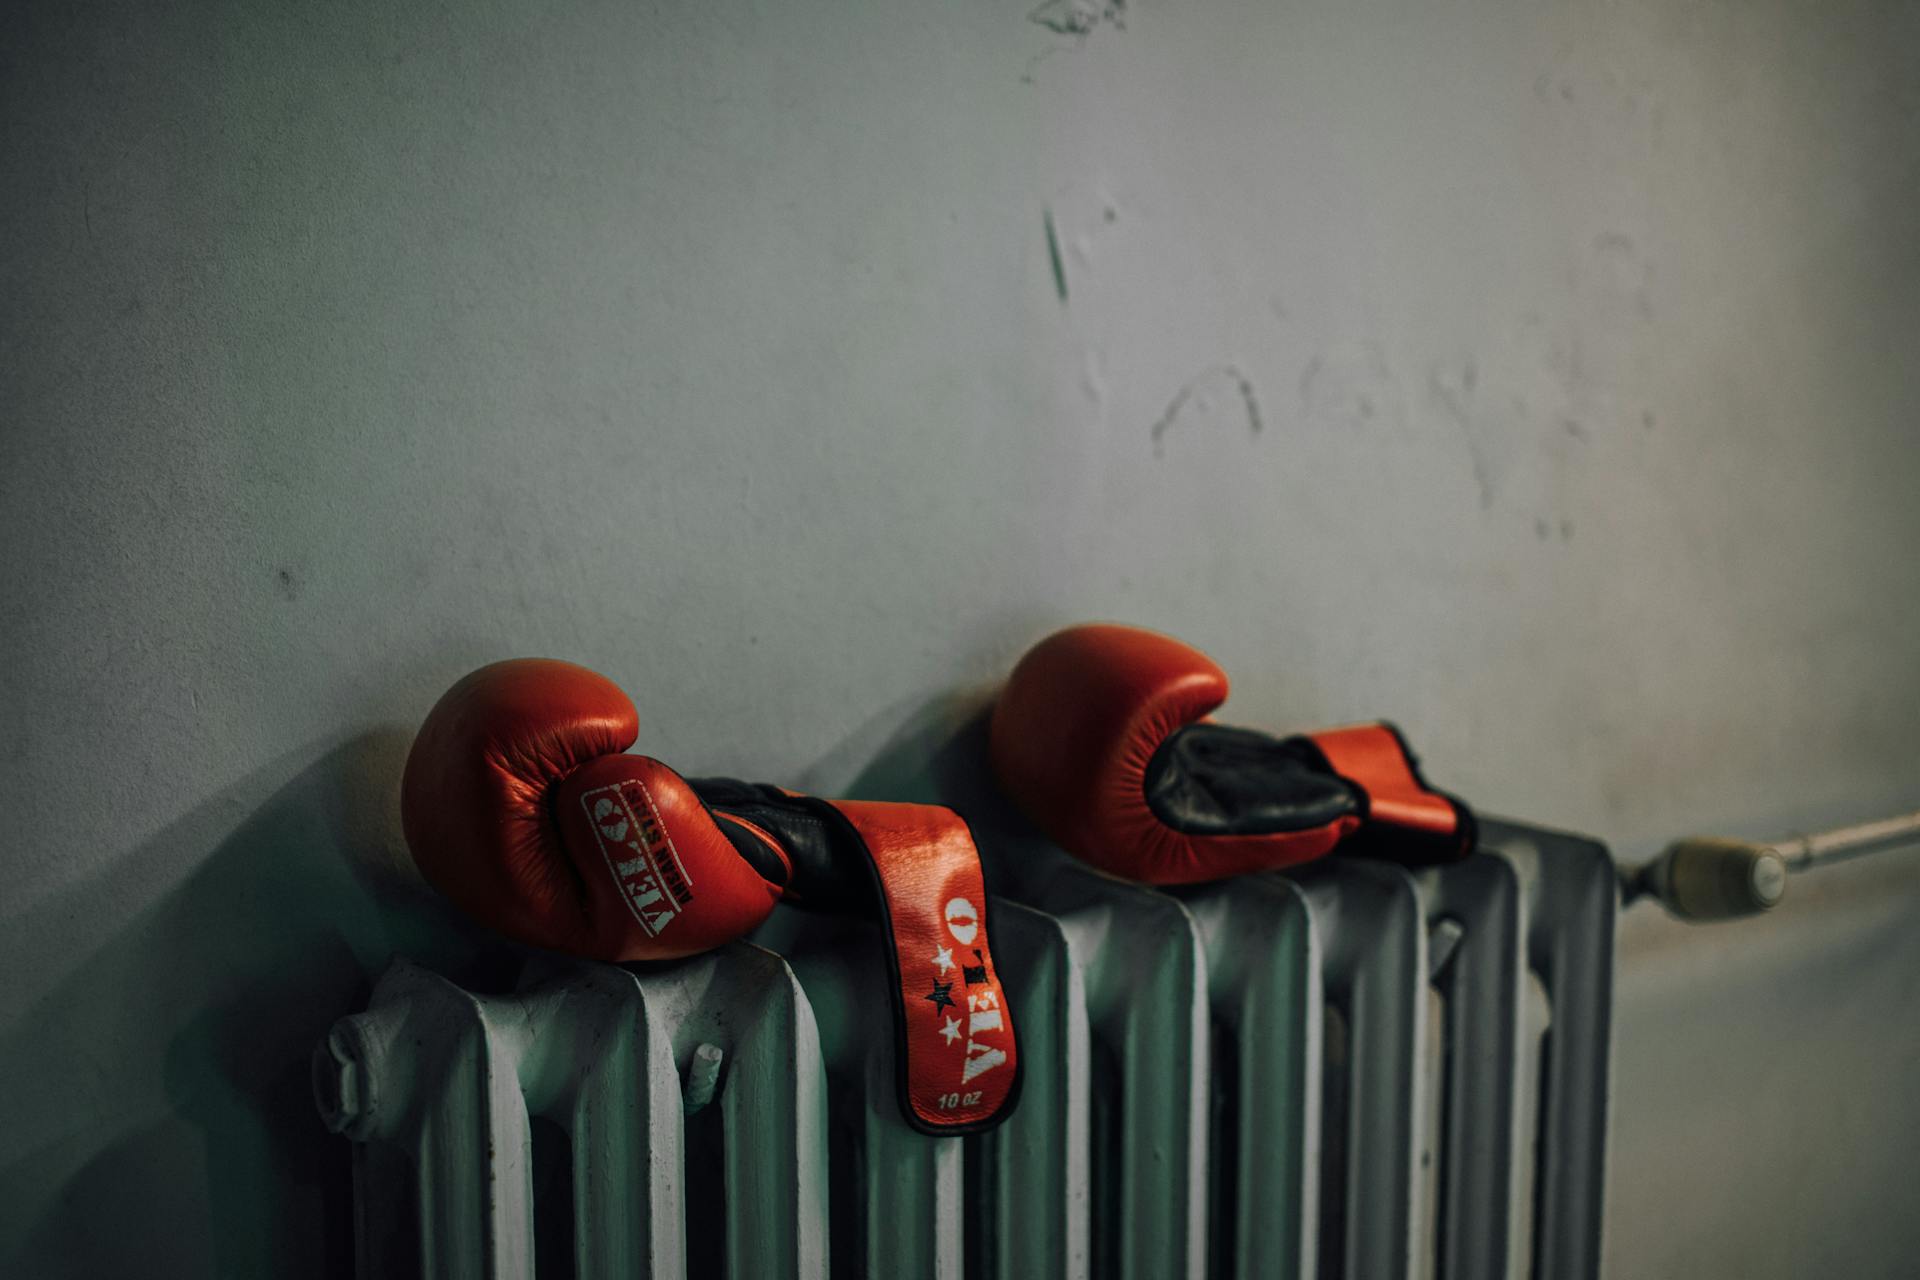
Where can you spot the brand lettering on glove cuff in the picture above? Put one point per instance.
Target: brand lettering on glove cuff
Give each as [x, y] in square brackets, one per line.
[640, 855]
[959, 1063]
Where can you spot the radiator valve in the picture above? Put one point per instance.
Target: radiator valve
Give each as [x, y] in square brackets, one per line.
[1716, 878]
[1713, 878]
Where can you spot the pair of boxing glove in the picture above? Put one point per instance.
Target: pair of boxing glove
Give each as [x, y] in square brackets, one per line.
[522, 804]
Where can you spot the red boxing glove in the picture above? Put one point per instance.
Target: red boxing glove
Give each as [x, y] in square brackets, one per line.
[520, 805]
[1100, 736]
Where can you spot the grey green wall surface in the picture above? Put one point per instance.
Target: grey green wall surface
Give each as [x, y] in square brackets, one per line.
[1543, 376]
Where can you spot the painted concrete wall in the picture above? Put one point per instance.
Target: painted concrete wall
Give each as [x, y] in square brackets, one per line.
[1542, 376]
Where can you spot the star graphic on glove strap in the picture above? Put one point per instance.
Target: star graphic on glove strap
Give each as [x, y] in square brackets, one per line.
[952, 1030]
[944, 958]
[941, 1000]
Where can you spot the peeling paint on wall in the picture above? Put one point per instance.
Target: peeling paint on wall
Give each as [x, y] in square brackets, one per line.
[1078, 17]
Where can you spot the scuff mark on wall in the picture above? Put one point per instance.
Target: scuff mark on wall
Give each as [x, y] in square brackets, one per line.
[1083, 245]
[1623, 272]
[1543, 529]
[1197, 395]
[1351, 385]
[1093, 379]
[1075, 221]
[1033, 63]
[1455, 397]
[1053, 256]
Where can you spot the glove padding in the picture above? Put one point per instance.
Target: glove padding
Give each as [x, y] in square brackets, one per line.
[520, 805]
[1100, 737]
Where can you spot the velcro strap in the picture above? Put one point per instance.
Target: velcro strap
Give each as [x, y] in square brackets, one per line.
[959, 1069]
[1407, 820]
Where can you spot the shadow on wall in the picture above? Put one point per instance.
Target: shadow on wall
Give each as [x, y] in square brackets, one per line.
[933, 753]
[938, 754]
[170, 1127]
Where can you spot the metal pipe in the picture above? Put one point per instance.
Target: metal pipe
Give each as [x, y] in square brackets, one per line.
[1802, 853]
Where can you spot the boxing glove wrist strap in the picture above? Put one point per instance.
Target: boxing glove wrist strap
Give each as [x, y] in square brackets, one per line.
[958, 1064]
[1359, 786]
[1406, 820]
[915, 869]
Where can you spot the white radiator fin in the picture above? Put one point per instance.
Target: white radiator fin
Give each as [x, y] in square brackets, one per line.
[1345, 1072]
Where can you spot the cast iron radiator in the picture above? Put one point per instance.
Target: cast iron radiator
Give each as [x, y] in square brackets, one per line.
[1353, 1070]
